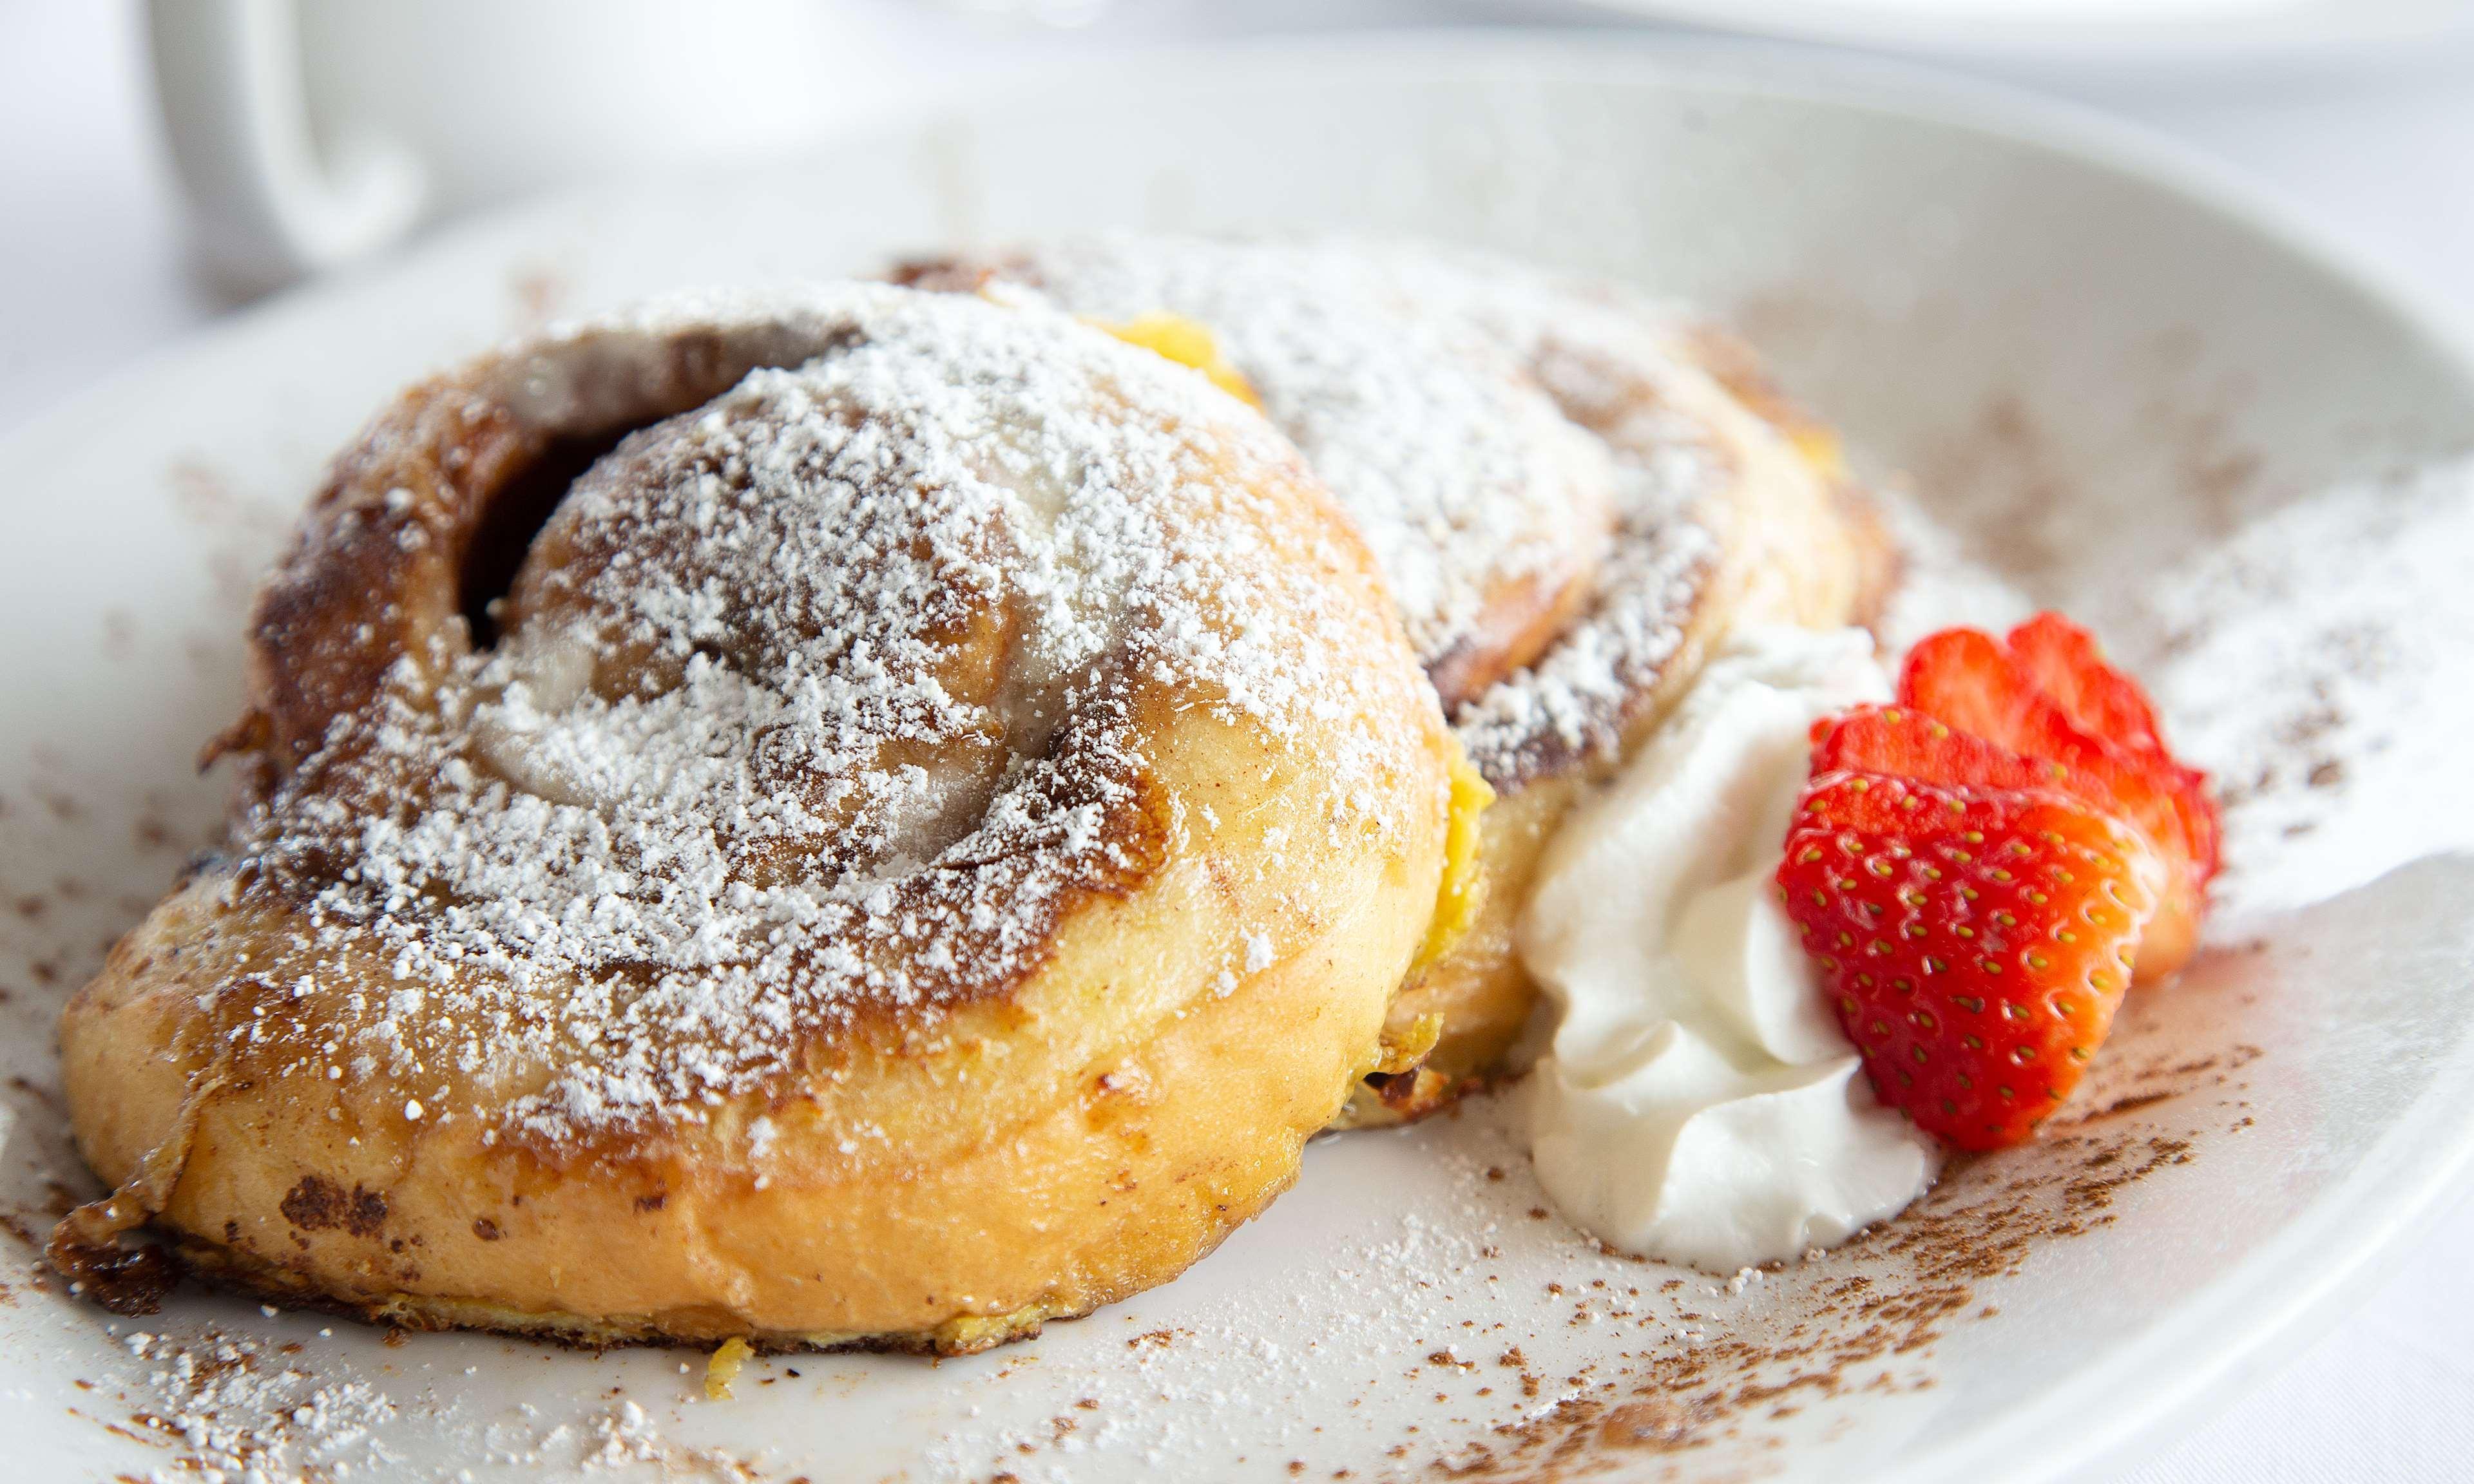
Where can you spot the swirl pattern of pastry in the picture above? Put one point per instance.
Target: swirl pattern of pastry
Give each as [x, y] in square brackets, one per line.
[932, 821]
[1574, 493]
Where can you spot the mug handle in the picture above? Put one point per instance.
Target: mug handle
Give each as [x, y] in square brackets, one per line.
[228, 79]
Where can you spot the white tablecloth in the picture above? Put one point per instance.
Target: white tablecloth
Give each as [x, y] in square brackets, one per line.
[92, 273]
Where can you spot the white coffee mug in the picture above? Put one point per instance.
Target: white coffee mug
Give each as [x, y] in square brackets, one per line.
[309, 132]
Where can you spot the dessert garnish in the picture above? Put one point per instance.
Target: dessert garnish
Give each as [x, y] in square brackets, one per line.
[1980, 871]
[1698, 1102]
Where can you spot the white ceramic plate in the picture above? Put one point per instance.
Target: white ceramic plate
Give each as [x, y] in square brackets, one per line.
[2131, 37]
[2044, 325]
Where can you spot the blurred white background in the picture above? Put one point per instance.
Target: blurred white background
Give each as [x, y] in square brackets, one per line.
[2370, 139]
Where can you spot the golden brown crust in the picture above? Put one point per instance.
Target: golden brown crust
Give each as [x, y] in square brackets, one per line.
[924, 1112]
[239, 1270]
[908, 1250]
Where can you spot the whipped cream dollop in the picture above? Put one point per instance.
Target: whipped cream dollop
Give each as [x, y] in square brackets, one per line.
[1700, 1103]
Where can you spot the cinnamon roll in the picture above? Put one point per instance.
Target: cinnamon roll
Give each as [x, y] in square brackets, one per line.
[1573, 494]
[860, 817]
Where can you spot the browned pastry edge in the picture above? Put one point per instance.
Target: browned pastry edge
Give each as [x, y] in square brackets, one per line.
[239, 1272]
[1154, 1141]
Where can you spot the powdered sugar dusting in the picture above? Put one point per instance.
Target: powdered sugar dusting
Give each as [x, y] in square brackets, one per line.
[2321, 664]
[1577, 698]
[625, 1440]
[1615, 364]
[237, 1412]
[1490, 428]
[1456, 467]
[816, 702]
[229, 1409]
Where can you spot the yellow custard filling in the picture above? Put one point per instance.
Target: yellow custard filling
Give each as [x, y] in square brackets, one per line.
[1464, 887]
[1186, 343]
[1190, 344]
[723, 1368]
[1820, 449]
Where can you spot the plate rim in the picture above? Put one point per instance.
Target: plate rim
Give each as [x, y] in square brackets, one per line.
[2321, 39]
[1918, 91]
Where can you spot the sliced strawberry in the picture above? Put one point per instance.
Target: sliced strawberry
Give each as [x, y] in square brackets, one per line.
[1907, 744]
[1965, 678]
[2046, 692]
[2062, 659]
[1973, 941]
